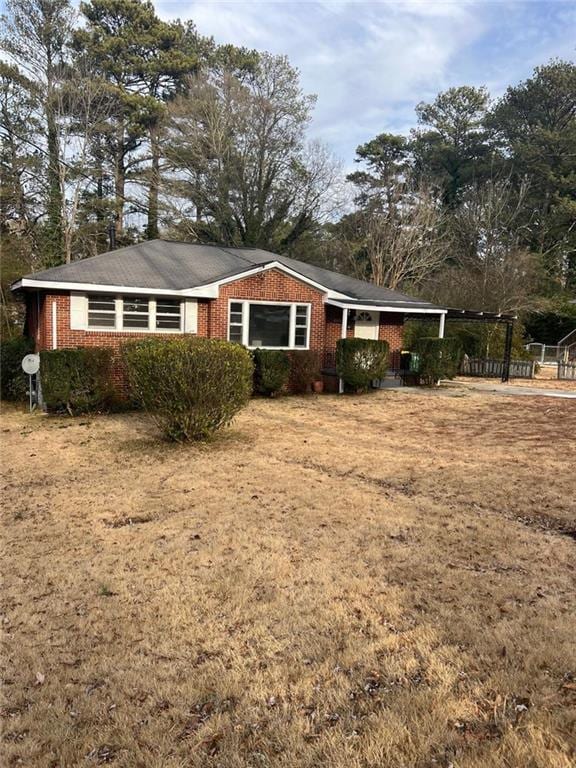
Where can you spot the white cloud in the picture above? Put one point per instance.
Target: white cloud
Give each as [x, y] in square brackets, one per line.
[369, 62]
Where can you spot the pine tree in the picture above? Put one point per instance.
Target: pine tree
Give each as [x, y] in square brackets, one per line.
[145, 61]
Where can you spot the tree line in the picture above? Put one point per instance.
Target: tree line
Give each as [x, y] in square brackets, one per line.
[477, 206]
[118, 126]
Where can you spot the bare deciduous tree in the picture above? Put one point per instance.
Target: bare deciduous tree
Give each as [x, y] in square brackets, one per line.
[405, 240]
[398, 238]
[490, 269]
[239, 157]
[81, 108]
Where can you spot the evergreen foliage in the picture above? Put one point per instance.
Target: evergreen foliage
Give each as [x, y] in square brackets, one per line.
[271, 371]
[13, 380]
[77, 381]
[120, 126]
[439, 359]
[191, 387]
[359, 362]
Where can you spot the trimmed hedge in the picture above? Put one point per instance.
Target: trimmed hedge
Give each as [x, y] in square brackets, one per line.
[13, 380]
[191, 387]
[439, 358]
[271, 371]
[361, 361]
[304, 370]
[77, 381]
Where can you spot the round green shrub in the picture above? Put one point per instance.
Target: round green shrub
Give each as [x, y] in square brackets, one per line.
[76, 381]
[361, 361]
[191, 387]
[271, 371]
[13, 380]
[439, 358]
[304, 369]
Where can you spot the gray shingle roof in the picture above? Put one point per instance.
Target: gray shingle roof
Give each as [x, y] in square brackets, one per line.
[175, 266]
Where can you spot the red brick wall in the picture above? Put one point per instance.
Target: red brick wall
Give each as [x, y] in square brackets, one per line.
[333, 329]
[392, 331]
[66, 337]
[391, 328]
[271, 285]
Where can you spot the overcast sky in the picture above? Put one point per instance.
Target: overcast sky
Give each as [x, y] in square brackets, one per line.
[370, 62]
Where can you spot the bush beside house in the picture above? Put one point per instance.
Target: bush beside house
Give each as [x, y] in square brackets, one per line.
[271, 371]
[359, 362]
[191, 387]
[13, 380]
[439, 358]
[477, 340]
[304, 370]
[77, 381]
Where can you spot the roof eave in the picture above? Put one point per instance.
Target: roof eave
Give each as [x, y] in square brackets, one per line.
[209, 290]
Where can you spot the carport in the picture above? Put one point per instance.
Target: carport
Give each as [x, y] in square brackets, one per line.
[476, 316]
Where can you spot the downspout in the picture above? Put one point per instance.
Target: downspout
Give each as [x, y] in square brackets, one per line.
[38, 331]
[442, 325]
[343, 336]
[54, 326]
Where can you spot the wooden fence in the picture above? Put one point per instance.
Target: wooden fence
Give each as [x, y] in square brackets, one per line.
[489, 368]
[567, 371]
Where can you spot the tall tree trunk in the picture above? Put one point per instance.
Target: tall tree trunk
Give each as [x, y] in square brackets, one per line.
[103, 224]
[55, 245]
[154, 184]
[119, 185]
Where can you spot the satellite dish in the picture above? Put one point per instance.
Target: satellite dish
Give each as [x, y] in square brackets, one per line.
[31, 364]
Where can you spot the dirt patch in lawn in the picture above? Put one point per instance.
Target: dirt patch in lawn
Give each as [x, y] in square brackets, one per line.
[375, 581]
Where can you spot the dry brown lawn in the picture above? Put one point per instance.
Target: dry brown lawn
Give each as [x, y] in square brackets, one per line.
[546, 378]
[385, 581]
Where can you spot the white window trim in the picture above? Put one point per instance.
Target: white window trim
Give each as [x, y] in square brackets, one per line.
[154, 308]
[112, 312]
[150, 315]
[119, 318]
[247, 303]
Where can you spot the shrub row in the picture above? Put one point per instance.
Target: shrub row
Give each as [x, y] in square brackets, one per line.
[192, 386]
[77, 381]
[359, 362]
[276, 371]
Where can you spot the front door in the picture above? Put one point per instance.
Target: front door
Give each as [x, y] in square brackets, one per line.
[366, 325]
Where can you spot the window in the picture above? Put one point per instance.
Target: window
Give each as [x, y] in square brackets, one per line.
[269, 325]
[283, 326]
[135, 312]
[101, 311]
[168, 314]
[301, 326]
[235, 330]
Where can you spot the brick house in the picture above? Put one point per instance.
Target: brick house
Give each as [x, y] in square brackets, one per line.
[247, 295]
